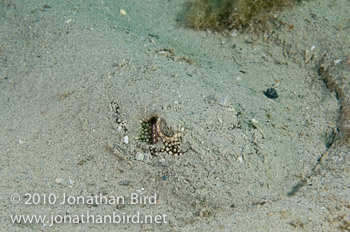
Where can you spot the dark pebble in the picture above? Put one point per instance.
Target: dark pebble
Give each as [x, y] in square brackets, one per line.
[271, 93]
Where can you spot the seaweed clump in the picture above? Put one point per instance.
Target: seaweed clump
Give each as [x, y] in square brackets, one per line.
[220, 15]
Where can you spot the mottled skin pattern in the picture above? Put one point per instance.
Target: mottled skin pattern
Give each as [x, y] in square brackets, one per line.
[164, 137]
[171, 143]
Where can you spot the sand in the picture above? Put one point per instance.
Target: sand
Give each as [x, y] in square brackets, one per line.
[77, 78]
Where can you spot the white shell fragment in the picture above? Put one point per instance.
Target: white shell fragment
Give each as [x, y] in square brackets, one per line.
[126, 139]
[337, 61]
[223, 101]
[139, 156]
[254, 121]
[307, 56]
[122, 12]
[59, 180]
[234, 33]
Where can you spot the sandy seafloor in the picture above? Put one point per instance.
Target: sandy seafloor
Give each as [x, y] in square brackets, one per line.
[67, 65]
